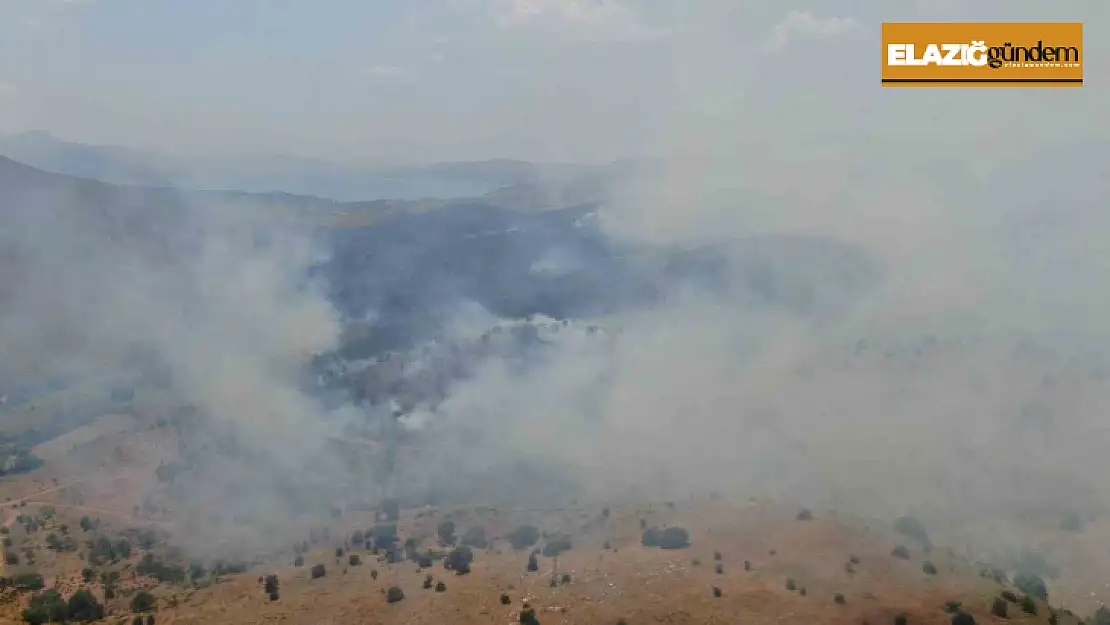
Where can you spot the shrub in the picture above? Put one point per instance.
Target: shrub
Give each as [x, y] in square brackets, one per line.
[298, 561]
[459, 560]
[1028, 605]
[1071, 523]
[505, 600]
[84, 607]
[716, 592]
[475, 537]
[838, 599]
[440, 587]
[384, 535]
[46, 607]
[963, 618]
[528, 617]
[318, 571]
[533, 564]
[29, 581]
[929, 568]
[666, 538]
[790, 584]
[446, 533]
[1031, 585]
[999, 608]
[271, 584]
[901, 552]
[524, 536]
[913, 528]
[720, 569]
[556, 545]
[143, 601]
[394, 594]
[389, 510]
[374, 574]
[804, 515]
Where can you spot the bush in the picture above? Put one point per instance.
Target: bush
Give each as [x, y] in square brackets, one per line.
[838, 599]
[46, 607]
[84, 607]
[440, 587]
[1028, 605]
[459, 560]
[505, 600]
[912, 528]
[524, 536]
[446, 533]
[1071, 523]
[999, 608]
[1031, 585]
[318, 571]
[901, 552]
[804, 515]
[533, 564]
[475, 537]
[143, 601]
[929, 568]
[271, 584]
[528, 617]
[383, 536]
[666, 538]
[556, 545]
[394, 594]
[29, 581]
[390, 510]
[354, 560]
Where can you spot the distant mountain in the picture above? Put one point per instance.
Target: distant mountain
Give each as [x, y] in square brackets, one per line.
[290, 174]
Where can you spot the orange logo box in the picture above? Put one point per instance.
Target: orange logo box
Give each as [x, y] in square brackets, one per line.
[982, 54]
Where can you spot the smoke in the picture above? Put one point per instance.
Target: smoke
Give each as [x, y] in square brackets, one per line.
[957, 375]
[904, 324]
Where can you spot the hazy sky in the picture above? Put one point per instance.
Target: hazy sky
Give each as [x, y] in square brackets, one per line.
[581, 80]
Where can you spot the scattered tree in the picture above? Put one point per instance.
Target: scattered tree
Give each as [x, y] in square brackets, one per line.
[912, 528]
[475, 537]
[143, 601]
[524, 536]
[84, 607]
[666, 538]
[446, 533]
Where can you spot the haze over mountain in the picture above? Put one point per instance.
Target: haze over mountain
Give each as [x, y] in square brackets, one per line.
[289, 174]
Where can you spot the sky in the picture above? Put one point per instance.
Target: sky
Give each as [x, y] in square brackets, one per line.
[556, 80]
